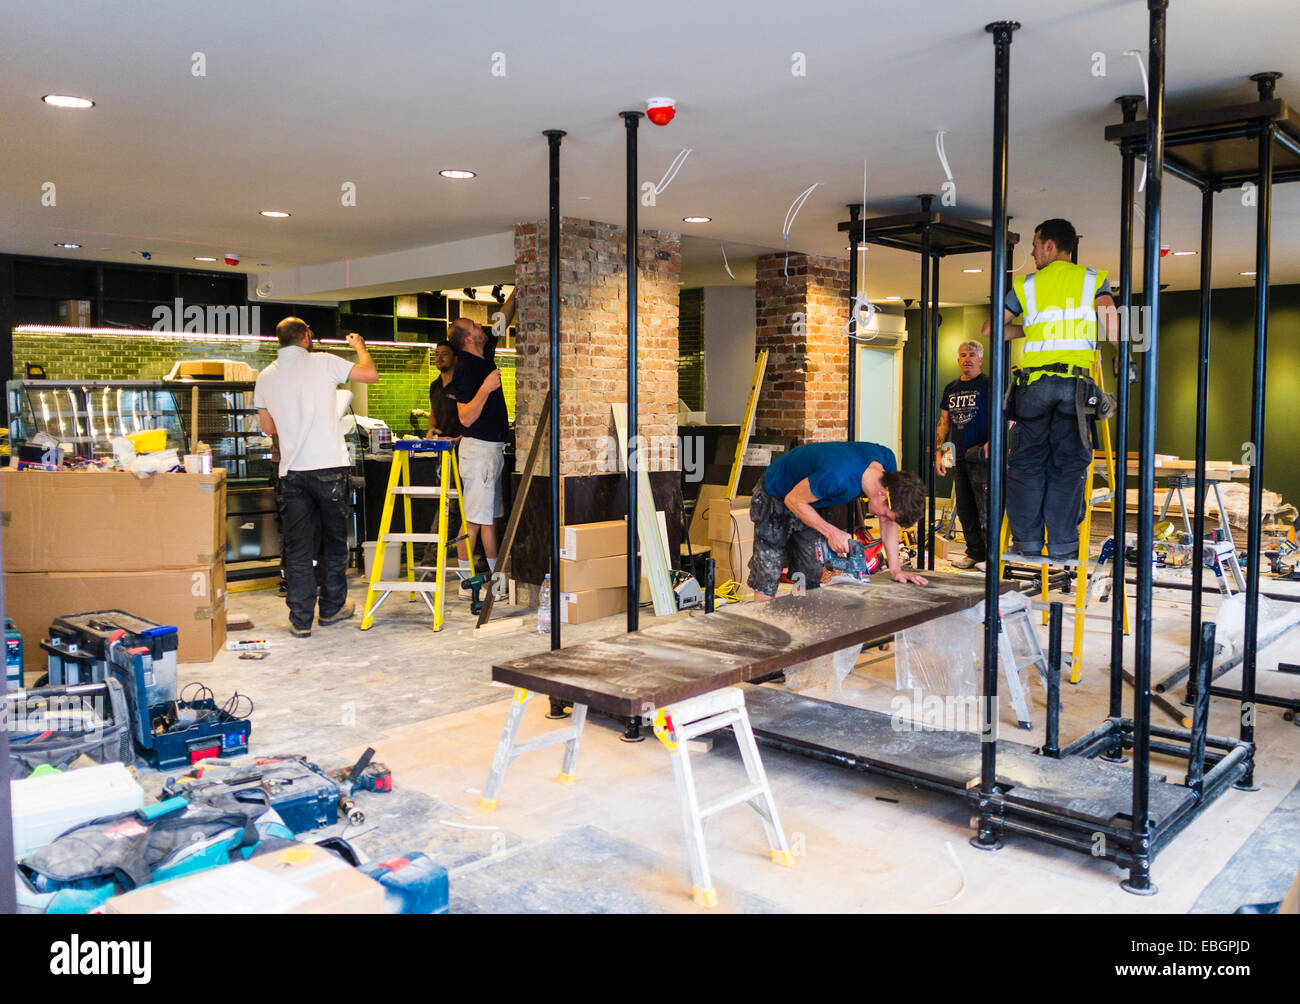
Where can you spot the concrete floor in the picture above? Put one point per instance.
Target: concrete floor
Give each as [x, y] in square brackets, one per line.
[613, 842]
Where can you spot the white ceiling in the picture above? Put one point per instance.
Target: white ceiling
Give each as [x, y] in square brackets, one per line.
[300, 97]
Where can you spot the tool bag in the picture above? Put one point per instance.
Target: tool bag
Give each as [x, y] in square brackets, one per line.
[129, 850]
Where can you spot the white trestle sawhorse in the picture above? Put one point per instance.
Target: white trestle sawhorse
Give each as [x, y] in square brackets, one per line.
[674, 725]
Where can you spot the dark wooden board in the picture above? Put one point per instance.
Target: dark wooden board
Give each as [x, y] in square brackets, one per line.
[632, 674]
[1089, 790]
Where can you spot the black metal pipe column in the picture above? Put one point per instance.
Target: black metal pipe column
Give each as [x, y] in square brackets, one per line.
[854, 209]
[924, 447]
[934, 408]
[1263, 225]
[1119, 505]
[989, 804]
[1139, 876]
[630, 122]
[553, 137]
[1202, 410]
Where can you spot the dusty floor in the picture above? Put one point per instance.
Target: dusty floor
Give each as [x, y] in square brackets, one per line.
[613, 841]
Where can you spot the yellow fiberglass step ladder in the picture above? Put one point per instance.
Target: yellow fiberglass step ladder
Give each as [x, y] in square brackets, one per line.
[399, 486]
[1082, 586]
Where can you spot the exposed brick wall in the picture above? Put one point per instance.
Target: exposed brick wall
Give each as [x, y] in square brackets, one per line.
[805, 391]
[404, 370]
[593, 339]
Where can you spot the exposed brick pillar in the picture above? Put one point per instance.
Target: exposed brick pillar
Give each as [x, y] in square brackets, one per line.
[800, 319]
[593, 340]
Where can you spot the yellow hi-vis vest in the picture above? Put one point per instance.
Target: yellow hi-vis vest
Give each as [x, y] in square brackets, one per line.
[1059, 315]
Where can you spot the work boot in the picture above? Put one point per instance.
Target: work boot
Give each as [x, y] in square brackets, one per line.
[298, 632]
[344, 612]
[963, 561]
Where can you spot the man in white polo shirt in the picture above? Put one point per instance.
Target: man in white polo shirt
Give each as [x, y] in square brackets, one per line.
[295, 399]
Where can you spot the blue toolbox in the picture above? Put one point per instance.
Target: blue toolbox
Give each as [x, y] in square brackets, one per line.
[169, 730]
[13, 656]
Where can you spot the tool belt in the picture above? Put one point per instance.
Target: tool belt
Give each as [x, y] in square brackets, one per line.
[1091, 402]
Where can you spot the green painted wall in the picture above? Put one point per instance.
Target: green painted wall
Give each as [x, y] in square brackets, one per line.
[1231, 363]
[403, 370]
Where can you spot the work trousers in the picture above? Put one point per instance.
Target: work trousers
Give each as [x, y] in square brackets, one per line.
[1047, 467]
[315, 509]
[970, 478]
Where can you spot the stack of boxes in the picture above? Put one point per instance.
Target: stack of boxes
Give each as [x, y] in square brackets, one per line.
[80, 541]
[593, 571]
[731, 538]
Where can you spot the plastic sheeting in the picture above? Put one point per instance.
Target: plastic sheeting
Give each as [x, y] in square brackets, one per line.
[946, 656]
[827, 672]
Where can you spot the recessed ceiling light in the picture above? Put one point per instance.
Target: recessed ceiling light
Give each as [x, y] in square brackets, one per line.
[1183, 254]
[274, 214]
[1246, 273]
[456, 174]
[263, 264]
[584, 198]
[204, 258]
[66, 245]
[893, 298]
[972, 271]
[67, 101]
[697, 219]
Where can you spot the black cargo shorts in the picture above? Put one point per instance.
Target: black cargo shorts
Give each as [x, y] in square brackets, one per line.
[781, 539]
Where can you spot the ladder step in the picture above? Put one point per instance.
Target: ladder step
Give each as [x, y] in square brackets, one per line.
[727, 801]
[414, 538]
[405, 586]
[1040, 559]
[421, 491]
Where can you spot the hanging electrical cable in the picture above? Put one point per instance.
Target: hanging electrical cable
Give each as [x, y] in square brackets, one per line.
[1146, 93]
[671, 173]
[725, 263]
[790, 216]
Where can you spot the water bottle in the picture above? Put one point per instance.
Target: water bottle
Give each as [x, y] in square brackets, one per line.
[544, 607]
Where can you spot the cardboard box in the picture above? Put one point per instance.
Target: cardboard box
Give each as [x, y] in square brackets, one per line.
[731, 560]
[595, 573]
[73, 314]
[193, 599]
[299, 879]
[728, 521]
[111, 521]
[583, 541]
[593, 604]
[699, 528]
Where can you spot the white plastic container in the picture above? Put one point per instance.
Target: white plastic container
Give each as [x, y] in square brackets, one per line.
[44, 807]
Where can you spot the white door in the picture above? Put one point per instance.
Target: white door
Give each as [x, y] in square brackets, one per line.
[879, 393]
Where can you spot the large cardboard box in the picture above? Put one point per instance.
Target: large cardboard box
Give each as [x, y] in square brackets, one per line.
[731, 560]
[73, 314]
[728, 520]
[595, 573]
[299, 879]
[193, 599]
[582, 541]
[699, 528]
[111, 521]
[593, 604]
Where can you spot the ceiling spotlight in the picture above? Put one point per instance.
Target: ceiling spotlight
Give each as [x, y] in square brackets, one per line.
[67, 101]
[470, 293]
[146, 255]
[69, 246]
[457, 175]
[1247, 274]
[972, 271]
[1183, 254]
[497, 294]
[204, 258]
[697, 219]
[273, 213]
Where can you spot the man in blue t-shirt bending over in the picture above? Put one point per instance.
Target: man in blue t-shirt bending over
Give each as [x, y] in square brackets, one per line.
[818, 476]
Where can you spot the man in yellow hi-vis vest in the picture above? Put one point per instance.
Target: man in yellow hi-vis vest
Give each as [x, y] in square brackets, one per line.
[1053, 396]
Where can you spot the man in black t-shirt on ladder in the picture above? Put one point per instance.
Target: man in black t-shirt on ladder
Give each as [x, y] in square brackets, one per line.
[485, 424]
[965, 419]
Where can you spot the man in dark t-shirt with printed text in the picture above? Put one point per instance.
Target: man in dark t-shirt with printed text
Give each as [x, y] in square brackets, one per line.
[817, 476]
[964, 417]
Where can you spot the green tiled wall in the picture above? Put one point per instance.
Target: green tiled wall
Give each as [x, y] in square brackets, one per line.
[403, 370]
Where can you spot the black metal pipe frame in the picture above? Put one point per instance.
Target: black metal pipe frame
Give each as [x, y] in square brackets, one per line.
[1139, 877]
[1052, 745]
[553, 137]
[1263, 231]
[924, 447]
[855, 209]
[630, 122]
[1202, 410]
[1201, 717]
[932, 415]
[989, 802]
[1119, 504]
